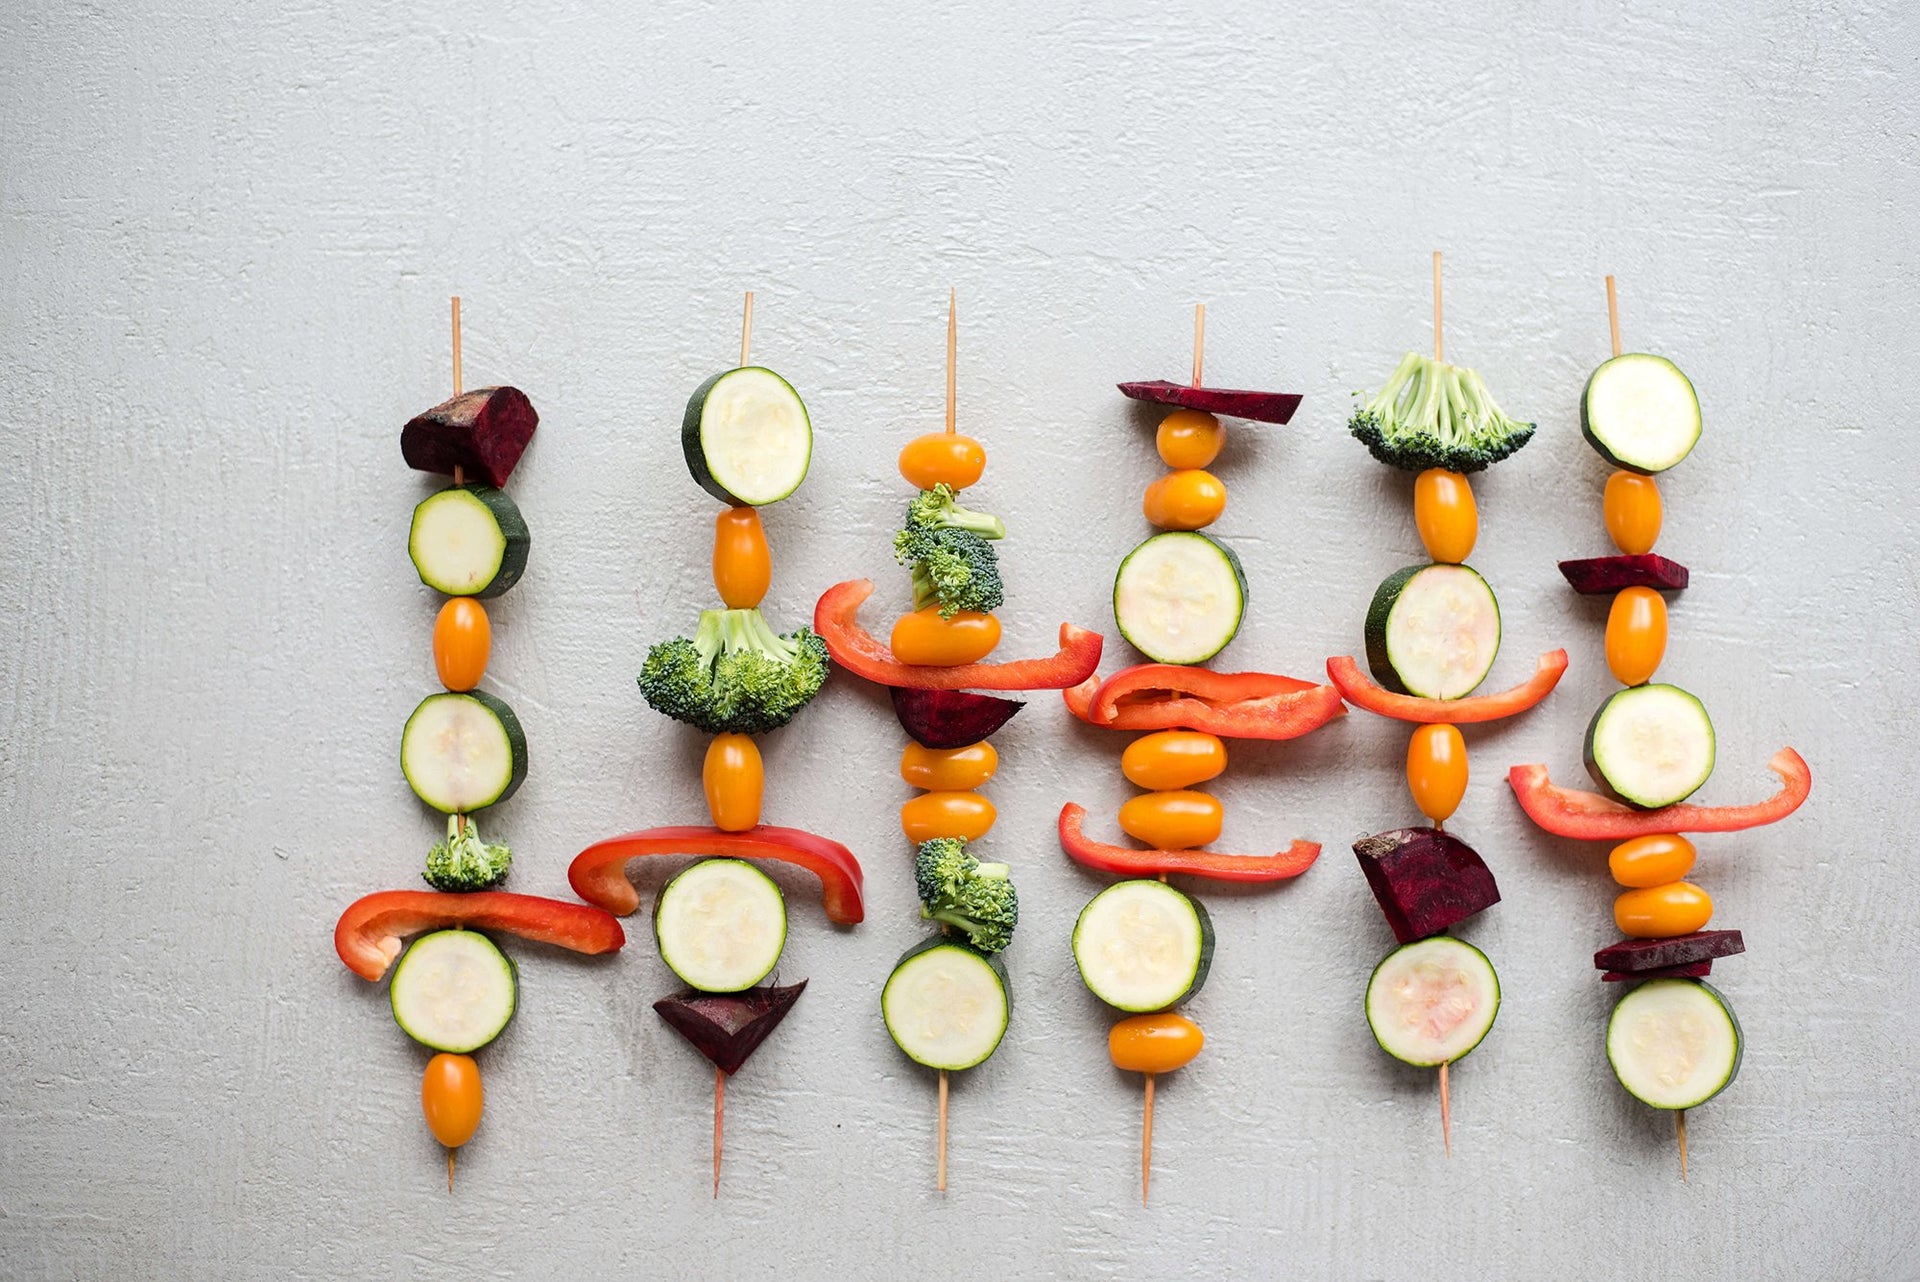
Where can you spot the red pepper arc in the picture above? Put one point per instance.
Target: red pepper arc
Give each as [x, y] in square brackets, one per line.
[372, 929]
[1233, 705]
[835, 618]
[1587, 816]
[1359, 689]
[1213, 865]
[599, 873]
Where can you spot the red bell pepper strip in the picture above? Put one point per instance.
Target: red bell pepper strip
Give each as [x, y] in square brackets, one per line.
[599, 873]
[859, 652]
[1234, 705]
[1359, 689]
[369, 934]
[1587, 816]
[1212, 864]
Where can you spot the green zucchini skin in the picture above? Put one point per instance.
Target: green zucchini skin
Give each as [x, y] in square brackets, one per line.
[1739, 1045]
[513, 528]
[1376, 627]
[994, 964]
[1597, 772]
[694, 447]
[1600, 446]
[1203, 964]
[509, 723]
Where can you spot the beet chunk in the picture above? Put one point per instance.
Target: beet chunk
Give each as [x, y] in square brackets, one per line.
[728, 1027]
[1426, 880]
[1642, 955]
[951, 718]
[1604, 575]
[1257, 407]
[1692, 970]
[483, 432]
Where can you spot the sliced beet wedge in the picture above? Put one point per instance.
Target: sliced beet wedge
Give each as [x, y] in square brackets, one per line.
[483, 432]
[1692, 970]
[1258, 407]
[1605, 575]
[951, 718]
[1639, 956]
[1426, 880]
[728, 1027]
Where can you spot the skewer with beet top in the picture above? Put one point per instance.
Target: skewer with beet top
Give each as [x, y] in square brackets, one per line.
[1432, 633]
[1673, 1040]
[721, 923]
[1141, 945]
[462, 750]
[947, 1002]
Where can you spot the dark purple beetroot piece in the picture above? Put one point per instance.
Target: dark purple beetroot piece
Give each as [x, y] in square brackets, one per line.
[1642, 955]
[728, 1027]
[483, 432]
[1605, 575]
[1258, 407]
[1692, 970]
[1426, 880]
[951, 718]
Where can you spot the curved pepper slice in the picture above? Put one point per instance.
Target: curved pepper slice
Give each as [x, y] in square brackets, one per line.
[1233, 705]
[599, 873]
[859, 652]
[1587, 816]
[1359, 689]
[1212, 864]
[370, 933]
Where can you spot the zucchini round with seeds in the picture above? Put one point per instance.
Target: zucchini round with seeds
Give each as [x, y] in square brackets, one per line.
[946, 1005]
[1674, 1043]
[747, 436]
[722, 925]
[1143, 946]
[1650, 745]
[1432, 631]
[1179, 597]
[453, 990]
[463, 752]
[1640, 412]
[1432, 1002]
[468, 540]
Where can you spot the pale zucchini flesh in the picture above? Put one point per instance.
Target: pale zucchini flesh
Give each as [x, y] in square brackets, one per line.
[1179, 597]
[1143, 946]
[1433, 631]
[1641, 413]
[468, 540]
[462, 752]
[1674, 1043]
[747, 437]
[1432, 1001]
[946, 1006]
[453, 990]
[721, 925]
[1651, 745]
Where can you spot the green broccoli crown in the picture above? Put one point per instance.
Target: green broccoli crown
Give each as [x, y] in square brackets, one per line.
[941, 863]
[960, 892]
[955, 569]
[463, 862]
[734, 675]
[935, 509]
[1432, 414]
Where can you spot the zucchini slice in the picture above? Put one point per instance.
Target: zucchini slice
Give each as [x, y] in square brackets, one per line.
[1433, 631]
[721, 925]
[468, 540]
[1143, 946]
[945, 1005]
[747, 436]
[453, 990]
[1650, 745]
[463, 752]
[1674, 1043]
[1432, 1002]
[1179, 597]
[1640, 412]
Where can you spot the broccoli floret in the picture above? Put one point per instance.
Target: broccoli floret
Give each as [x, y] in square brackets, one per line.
[960, 892]
[953, 569]
[1432, 414]
[734, 674]
[940, 864]
[464, 862]
[935, 509]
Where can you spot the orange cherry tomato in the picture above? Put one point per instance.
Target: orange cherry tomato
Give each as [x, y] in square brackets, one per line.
[734, 779]
[1189, 499]
[462, 640]
[1189, 438]
[1173, 759]
[942, 458]
[1636, 634]
[1651, 861]
[926, 640]
[947, 814]
[948, 769]
[451, 1097]
[1172, 820]
[1632, 508]
[1155, 1043]
[742, 566]
[1655, 912]
[1445, 514]
[1437, 770]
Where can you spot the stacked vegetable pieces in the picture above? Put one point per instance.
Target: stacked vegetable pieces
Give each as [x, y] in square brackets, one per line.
[1142, 946]
[721, 923]
[947, 1002]
[1673, 1040]
[463, 750]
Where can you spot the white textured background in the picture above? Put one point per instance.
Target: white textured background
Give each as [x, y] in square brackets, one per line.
[226, 244]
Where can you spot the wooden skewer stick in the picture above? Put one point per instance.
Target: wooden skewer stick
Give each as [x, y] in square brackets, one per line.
[459, 473]
[953, 346]
[1199, 339]
[719, 1110]
[746, 329]
[940, 1181]
[1438, 349]
[1613, 315]
[1446, 1112]
[1146, 1142]
[450, 1153]
[1680, 1133]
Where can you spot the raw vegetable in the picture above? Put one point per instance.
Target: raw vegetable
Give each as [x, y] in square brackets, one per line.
[1437, 770]
[1256, 407]
[1432, 631]
[1650, 746]
[463, 752]
[1425, 880]
[1179, 597]
[462, 642]
[1640, 412]
[468, 540]
[950, 718]
[1213, 865]
[1651, 861]
[1232, 705]
[929, 638]
[1174, 820]
[734, 779]
[742, 565]
[945, 1005]
[1586, 816]
[1674, 1043]
[598, 874]
[1188, 499]
[370, 931]
[965, 895]
[1605, 575]
[721, 925]
[1189, 438]
[734, 675]
[1143, 946]
[1636, 635]
[835, 618]
[953, 570]
[452, 1098]
[956, 813]
[728, 1027]
[948, 769]
[746, 437]
[1432, 1002]
[1445, 514]
[1692, 970]
[1355, 687]
[1432, 414]
[463, 863]
[453, 991]
[942, 458]
[1640, 955]
[1154, 1043]
[1631, 507]
[1660, 912]
[935, 508]
[1173, 759]
[482, 433]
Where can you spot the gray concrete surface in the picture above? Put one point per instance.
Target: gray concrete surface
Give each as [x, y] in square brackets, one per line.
[227, 243]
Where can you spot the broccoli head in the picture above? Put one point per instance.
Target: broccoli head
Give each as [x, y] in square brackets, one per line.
[734, 674]
[935, 509]
[463, 861]
[953, 569]
[960, 892]
[1432, 414]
